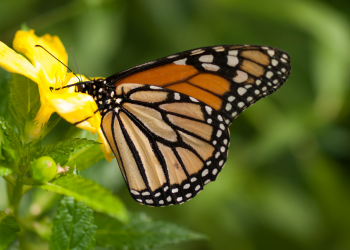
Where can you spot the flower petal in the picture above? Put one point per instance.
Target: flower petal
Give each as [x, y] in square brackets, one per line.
[106, 149]
[25, 42]
[76, 107]
[16, 63]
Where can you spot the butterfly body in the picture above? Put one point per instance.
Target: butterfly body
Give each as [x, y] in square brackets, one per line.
[167, 120]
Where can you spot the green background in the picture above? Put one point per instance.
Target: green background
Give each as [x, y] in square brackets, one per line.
[286, 182]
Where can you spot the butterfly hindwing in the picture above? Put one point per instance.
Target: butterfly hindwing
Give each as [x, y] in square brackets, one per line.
[168, 145]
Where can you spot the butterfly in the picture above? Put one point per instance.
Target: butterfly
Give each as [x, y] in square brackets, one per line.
[167, 120]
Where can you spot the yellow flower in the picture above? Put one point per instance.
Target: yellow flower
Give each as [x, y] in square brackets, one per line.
[47, 72]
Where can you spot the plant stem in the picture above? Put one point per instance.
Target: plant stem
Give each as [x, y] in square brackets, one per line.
[17, 194]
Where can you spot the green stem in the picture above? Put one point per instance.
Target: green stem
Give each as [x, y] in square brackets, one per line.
[17, 194]
[10, 179]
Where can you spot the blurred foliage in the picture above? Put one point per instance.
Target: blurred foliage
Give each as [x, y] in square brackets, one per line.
[285, 185]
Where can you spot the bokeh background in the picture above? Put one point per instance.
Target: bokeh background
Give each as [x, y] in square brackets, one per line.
[286, 182]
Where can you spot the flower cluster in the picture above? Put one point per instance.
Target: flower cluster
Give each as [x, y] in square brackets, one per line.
[47, 72]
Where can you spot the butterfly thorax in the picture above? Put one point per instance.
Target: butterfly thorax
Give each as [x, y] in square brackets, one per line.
[103, 94]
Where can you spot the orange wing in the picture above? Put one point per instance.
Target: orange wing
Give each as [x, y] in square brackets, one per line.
[227, 78]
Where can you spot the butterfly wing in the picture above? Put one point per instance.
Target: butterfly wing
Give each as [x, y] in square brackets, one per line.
[168, 145]
[227, 78]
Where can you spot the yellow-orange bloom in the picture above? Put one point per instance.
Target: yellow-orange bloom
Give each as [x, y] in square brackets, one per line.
[47, 72]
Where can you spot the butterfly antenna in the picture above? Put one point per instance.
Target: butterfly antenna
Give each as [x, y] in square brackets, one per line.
[58, 60]
[75, 61]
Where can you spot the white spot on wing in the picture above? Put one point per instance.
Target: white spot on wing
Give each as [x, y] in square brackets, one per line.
[271, 52]
[241, 91]
[219, 49]
[196, 52]
[176, 96]
[274, 62]
[205, 172]
[232, 61]
[233, 52]
[240, 77]
[231, 98]
[193, 99]
[210, 67]
[240, 104]
[269, 74]
[181, 62]
[206, 58]
[154, 87]
[208, 109]
[134, 192]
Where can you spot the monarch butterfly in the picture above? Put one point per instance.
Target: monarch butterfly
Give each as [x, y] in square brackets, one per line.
[167, 120]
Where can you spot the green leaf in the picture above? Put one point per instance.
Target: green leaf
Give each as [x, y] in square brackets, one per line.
[85, 157]
[4, 171]
[60, 151]
[141, 233]
[89, 192]
[12, 137]
[24, 95]
[8, 229]
[28, 153]
[73, 227]
[5, 78]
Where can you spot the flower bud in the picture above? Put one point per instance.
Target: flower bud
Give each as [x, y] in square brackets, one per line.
[43, 169]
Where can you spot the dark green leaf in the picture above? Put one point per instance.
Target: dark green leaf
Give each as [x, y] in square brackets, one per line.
[5, 78]
[141, 233]
[73, 227]
[24, 95]
[8, 229]
[89, 192]
[28, 153]
[12, 137]
[60, 151]
[10, 144]
[47, 127]
[85, 157]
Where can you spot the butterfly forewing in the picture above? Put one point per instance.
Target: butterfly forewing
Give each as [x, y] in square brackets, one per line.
[227, 78]
[168, 145]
